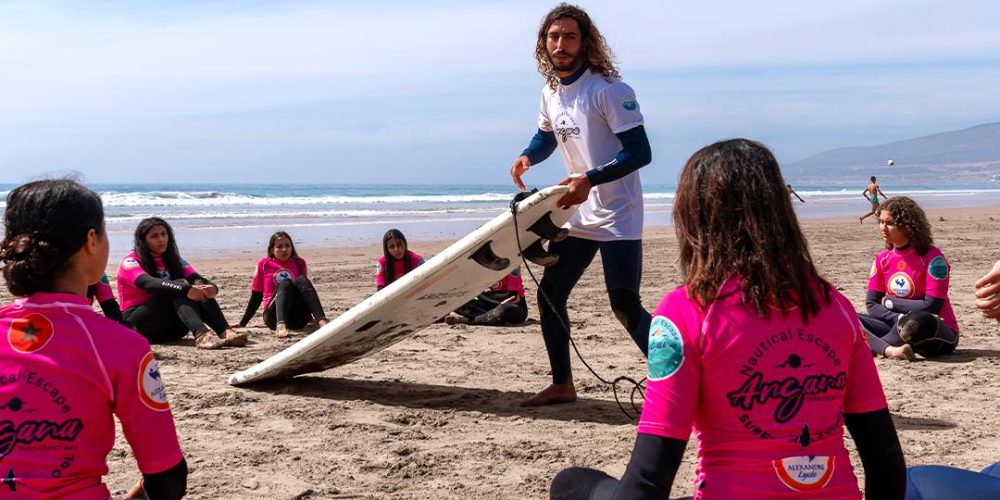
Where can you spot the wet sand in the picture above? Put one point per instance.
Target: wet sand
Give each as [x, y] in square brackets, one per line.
[437, 415]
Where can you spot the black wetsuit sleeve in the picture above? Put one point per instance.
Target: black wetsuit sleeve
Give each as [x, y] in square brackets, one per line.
[542, 145]
[635, 154]
[881, 455]
[651, 470]
[252, 305]
[495, 298]
[112, 310]
[170, 484]
[873, 302]
[930, 304]
[160, 286]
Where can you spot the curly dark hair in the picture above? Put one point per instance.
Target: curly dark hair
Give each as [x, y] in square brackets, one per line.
[46, 222]
[912, 220]
[595, 48]
[733, 217]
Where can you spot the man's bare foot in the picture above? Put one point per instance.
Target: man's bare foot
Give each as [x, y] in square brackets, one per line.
[234, 339]
[208, 340]
[553, 394]
[282, 331]
[904, 351]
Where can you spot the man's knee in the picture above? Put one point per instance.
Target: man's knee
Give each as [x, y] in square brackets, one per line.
[627, 307]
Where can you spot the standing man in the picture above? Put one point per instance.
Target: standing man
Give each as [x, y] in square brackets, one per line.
[871, 194]
[594, 119]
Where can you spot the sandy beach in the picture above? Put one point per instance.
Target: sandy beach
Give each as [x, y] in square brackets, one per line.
[437, 415]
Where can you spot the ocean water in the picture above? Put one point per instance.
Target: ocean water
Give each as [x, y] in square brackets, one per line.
[225, 217]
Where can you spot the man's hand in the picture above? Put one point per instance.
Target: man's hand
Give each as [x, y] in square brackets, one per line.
[988, 293]
[519, 168]
[579, 190]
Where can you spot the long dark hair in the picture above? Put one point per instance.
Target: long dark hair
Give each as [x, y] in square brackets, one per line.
[390, 268]
[46, 222]
[171, 257]
[595, 49]
[733, 216]
[909, 217]
[274, 240]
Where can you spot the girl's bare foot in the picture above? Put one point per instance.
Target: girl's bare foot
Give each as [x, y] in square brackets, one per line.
[904, 351]
[281, 331]
[322, 322]
[234, 339]
[208, 340]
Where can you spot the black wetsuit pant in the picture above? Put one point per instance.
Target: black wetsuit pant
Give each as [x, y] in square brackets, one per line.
[926, 333]
[488, 309]
[622, 260]
[166, 319]
[580, 483]
[294, 303]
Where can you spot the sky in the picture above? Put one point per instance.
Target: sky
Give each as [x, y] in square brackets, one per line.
[447, 91]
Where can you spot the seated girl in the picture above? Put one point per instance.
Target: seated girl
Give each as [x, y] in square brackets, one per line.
[396, 259]
[908, 307]
[164, 297]
[67, 371]
[501, 304]
[280, 281]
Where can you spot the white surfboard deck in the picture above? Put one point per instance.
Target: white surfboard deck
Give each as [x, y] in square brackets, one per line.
[417, 299]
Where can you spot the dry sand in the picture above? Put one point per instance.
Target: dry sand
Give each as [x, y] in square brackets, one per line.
[437, 415]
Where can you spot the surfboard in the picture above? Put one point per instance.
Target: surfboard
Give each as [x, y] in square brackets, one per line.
[427, 293]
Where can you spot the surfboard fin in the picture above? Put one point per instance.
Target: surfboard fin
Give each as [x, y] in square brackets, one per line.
[486, 257]
[544, 228]
[536, 253]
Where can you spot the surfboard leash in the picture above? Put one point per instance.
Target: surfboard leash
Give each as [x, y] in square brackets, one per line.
[637, 386]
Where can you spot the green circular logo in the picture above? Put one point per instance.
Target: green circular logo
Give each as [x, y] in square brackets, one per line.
[666, 348]
[938, 268]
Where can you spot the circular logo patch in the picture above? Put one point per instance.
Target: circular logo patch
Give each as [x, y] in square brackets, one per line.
[666, 349]
[938, 268]
[151, 390]
[901, 265]
[30, 333]
[130, 263]
[901, 285]
[804, 473]
[282, 275]
[630, 103]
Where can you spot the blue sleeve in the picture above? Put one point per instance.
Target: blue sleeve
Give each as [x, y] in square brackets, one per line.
[635, 153]
[541, 146]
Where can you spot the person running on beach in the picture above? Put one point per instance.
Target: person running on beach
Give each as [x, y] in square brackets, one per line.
[164, 297]
[594, 118]
[793, 193]
[756, 353]
[65, 371]
[501, 304]
[281, 282]
[396, 259]
[871, 193]
[988, 293]
[907, 301]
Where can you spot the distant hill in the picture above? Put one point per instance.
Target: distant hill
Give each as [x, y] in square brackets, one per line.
[964, 156]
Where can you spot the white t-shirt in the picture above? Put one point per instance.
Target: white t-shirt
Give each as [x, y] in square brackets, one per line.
[585, 116]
